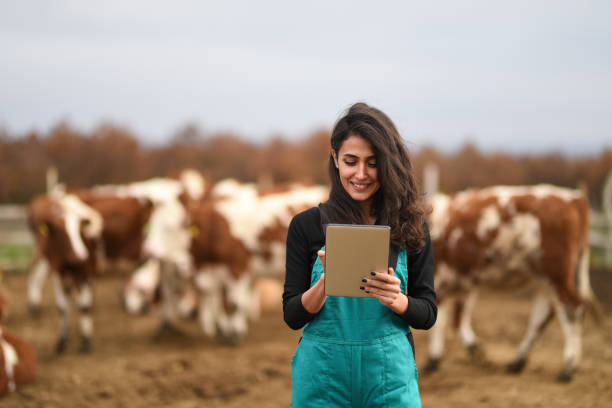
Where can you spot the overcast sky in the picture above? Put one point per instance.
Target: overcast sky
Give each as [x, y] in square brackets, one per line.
[522, 76]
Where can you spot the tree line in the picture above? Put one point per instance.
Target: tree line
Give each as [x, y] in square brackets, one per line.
[112, 154]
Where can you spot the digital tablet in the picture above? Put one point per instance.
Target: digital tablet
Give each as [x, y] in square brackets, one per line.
[352, 252]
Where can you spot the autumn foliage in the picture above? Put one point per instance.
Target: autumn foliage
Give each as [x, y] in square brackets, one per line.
[111, 154]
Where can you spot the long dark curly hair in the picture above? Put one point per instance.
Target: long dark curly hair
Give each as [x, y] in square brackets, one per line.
[396, 203]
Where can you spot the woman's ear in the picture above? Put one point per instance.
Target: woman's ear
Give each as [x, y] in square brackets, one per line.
[333, 153]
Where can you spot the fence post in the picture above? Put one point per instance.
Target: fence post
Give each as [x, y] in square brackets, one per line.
[431, 176]
[52, 178]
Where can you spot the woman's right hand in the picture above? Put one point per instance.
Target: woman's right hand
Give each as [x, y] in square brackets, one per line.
[321, 255]
[314, 298]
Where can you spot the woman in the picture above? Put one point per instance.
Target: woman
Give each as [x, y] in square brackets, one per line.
[359, 352]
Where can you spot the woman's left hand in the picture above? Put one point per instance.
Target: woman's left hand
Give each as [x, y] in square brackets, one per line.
[386, 288]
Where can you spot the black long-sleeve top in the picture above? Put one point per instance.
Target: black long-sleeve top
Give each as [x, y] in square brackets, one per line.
[306, 237]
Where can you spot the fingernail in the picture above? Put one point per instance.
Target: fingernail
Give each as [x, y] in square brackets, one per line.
[364, 280]
[367, 291]
[361, 287]
[373, 273]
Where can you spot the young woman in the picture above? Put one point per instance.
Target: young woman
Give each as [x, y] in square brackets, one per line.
[359, 352]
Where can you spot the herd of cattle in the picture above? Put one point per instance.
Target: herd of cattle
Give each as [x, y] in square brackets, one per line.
[211, 239]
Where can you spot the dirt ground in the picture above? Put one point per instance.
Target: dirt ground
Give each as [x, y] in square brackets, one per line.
[130, 367]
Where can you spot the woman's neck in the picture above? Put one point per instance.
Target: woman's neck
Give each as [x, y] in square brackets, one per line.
[366, 208]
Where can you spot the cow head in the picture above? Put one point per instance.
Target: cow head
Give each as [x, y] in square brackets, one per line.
[64, 227]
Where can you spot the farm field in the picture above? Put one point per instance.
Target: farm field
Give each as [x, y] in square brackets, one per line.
[131, 367]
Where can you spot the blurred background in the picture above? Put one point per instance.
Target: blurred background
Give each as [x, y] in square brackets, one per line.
[506, 92]
[520, 91]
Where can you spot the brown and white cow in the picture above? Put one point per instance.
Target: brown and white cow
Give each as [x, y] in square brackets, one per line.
[125, 210]
[241, 233]
[18, 363]
[67, 233]
[236, 231]
[124, 220]
[167, 237]
[507, 237]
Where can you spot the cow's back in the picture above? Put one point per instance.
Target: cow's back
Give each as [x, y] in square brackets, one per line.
[125, 219]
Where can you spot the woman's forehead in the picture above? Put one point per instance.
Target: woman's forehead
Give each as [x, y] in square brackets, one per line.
[357, 146]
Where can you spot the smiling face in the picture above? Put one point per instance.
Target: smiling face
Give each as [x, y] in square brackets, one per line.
[356, 163]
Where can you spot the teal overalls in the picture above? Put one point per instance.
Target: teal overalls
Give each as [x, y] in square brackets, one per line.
[355, 354]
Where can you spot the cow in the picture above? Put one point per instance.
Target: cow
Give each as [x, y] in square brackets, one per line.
[125, 210]
[67, 233]
[124, 220]
[241, 233]
[167, 219]
[220, 241]
[18, 362]
[510, 236]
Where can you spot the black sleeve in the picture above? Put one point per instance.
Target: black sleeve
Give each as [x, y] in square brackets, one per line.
[422, 310]
[304, 238]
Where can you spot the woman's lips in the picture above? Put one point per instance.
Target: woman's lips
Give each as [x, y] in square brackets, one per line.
[360, 186]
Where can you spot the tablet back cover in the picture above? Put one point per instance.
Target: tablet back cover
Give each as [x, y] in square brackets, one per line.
[352, 252]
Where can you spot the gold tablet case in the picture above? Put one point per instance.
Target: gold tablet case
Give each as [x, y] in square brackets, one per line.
[352, 252]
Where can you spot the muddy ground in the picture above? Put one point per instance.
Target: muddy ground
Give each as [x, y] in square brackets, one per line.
[130, 367]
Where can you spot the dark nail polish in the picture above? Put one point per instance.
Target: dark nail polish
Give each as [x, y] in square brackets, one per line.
[364, 280]
[361, 287]
[373, 273]
[367, 291]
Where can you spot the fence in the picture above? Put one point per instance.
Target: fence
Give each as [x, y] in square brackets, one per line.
[15, 239]
[601, 224]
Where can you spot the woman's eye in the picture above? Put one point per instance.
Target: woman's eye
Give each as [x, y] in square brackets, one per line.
[372, 165]
[350, 163]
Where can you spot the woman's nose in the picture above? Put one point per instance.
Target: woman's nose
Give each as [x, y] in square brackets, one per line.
[361, 171]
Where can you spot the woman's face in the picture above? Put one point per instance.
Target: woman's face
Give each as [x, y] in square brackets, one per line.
[356, 164]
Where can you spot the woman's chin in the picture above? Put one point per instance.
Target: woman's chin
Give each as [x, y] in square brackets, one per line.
[361, 196]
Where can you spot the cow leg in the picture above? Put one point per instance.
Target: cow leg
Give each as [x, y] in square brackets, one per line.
[141, 287]
[188, 303]
[208, 284]
[168, 296]
[85, 302]
[541, 315]
[254, 310]
[36, 281]
[233, 319]
[436, 337]
[466, 333]
[570, 317]
[63, 305]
